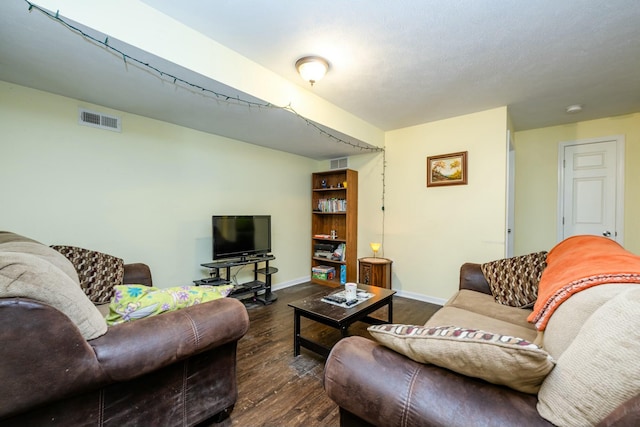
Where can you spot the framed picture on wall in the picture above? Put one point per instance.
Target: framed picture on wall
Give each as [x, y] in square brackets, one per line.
[447, 169]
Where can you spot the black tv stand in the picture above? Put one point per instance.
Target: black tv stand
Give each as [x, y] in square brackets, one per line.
[251, 289]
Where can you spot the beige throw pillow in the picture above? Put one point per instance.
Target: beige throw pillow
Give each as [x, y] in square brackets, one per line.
[571, 315]
[499, 359]
[600, 369]
[15, 243]
[30, 276]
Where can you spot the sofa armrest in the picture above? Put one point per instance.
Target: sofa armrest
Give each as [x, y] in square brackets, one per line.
[43, 356]
[471, 278]
[406, 393]
[132, 349]
[137, 274]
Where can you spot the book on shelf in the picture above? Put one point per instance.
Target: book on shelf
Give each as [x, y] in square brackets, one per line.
[332, 205]
[339, 252]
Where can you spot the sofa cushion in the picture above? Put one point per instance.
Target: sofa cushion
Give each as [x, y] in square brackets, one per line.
[131, 302]
[569, 317]
[486, 307]
[514, 281]
[600, 369]
[98, 272]
[103, 308]
[450, 315]
[29, 276]
[499, 359]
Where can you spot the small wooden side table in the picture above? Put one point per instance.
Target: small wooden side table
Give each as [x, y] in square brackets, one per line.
[375, 271]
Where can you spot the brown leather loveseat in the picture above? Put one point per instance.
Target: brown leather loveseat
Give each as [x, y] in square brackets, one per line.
[592, 341]
[173, 369]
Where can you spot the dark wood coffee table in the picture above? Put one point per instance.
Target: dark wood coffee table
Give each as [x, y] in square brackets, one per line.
[337, 317]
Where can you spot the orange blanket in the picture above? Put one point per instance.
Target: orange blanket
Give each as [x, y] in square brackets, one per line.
[578, 263]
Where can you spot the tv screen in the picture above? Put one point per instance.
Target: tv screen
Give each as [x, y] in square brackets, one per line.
[239, 236]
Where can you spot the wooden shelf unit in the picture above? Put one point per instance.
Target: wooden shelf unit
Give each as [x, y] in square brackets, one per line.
[344, 222]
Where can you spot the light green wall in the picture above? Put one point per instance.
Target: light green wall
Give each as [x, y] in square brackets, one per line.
[431, 232]
[537, 179]
[146, 194]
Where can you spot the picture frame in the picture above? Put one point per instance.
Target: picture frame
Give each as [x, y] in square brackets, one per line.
[447, 169]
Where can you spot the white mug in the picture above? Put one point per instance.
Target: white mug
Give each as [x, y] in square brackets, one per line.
[351, 290]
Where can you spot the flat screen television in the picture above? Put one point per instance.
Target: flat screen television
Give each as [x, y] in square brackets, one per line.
[241, 236]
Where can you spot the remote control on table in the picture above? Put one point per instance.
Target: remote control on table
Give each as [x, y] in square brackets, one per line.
[333, 298]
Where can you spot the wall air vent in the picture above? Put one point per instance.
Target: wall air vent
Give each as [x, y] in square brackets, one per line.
[99, 120]
[340, 163]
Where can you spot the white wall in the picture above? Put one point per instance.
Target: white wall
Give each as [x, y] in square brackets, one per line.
[146, 194]
[431, 232]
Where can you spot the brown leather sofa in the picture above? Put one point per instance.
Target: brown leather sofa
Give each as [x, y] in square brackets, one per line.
[173, 369]
[376, 386]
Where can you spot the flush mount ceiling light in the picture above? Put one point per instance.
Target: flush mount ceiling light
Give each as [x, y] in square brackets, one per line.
[575, 108]
[312, 68]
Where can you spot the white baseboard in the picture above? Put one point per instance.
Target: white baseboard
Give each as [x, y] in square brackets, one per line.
[421, 297]
[291, 283]
[404, 294]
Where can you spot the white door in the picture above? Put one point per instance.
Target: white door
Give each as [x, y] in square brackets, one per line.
[591, 187]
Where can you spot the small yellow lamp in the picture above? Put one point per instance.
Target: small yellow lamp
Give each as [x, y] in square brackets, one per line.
[375, 247]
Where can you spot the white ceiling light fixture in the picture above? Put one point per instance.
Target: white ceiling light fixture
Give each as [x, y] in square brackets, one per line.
[312, 68]
[575, 108]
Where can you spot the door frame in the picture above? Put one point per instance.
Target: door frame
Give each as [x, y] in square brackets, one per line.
[509, 232]
[619, 139]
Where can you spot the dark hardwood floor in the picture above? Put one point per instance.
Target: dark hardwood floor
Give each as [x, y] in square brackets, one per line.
[277, 389]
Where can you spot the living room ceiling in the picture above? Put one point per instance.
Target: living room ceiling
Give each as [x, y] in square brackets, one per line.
[393, 64]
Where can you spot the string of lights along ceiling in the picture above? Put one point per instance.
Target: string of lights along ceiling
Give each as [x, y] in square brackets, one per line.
[219, 97]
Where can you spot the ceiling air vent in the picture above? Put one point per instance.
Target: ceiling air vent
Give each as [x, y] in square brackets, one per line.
[99, 120]
[341, 163]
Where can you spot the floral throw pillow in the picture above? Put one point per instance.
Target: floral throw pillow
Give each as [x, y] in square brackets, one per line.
[132, 302]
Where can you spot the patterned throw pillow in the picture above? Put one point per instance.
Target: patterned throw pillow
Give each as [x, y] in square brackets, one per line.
[498, 359]
[98, 272]
[514, 281]
[133, 302]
